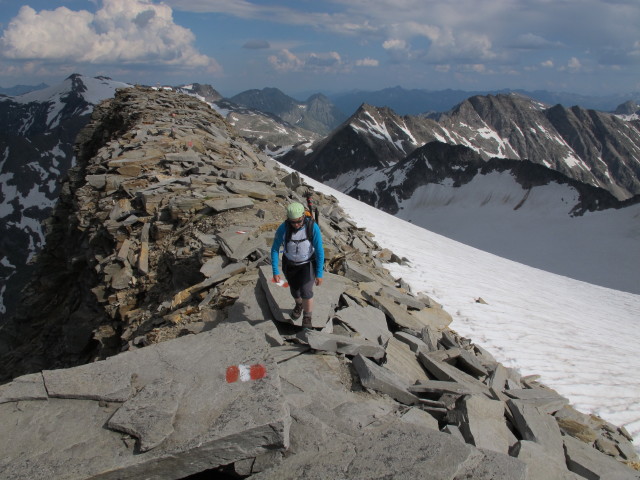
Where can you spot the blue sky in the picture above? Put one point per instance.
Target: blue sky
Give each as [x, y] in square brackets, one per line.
[304, 46]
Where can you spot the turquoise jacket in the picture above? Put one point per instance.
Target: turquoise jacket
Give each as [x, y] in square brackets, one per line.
[317, 246]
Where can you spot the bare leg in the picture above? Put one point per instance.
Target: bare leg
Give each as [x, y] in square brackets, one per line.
[307, 304]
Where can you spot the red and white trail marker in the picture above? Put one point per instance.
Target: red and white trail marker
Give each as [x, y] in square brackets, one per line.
[244, 373]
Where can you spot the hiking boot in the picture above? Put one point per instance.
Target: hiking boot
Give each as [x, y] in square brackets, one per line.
[306, 320]
[296, 312]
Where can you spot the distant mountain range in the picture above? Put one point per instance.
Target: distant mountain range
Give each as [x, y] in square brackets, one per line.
[317, 114]
[420, 101]
[21, 89]
[595, 148]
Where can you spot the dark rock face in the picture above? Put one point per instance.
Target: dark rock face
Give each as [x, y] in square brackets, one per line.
[37, 133]
[371, 138]
[438, 162]
[595, 148]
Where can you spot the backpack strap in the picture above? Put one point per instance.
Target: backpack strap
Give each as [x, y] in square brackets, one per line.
[308, 224]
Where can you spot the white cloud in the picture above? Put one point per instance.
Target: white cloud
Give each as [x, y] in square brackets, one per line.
[394, 44]
[547, 64]
[574, 64]
[121, 31]
[367, 62]
[530, 41]
[286, 61]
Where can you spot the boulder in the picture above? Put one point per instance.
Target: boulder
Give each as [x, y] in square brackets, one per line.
[384, 381]
[328, 342]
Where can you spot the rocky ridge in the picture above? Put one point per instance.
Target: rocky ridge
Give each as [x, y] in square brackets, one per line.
[155, 286]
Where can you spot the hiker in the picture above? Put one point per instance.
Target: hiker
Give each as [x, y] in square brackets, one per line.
[302, 259]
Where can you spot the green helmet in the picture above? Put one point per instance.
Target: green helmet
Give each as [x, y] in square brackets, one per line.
[295, 210]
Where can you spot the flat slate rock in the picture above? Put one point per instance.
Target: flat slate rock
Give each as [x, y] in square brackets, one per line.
[329, 342]
[28, 387]
[402, 451]
[368, 321]
[385, 381]
[192, 406]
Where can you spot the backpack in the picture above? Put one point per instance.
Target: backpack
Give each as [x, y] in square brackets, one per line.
[308, 225]
[291, 246]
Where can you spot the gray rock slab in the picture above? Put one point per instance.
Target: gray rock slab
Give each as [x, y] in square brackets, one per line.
[282, 353]
[468, 362]
[592, 464]
[495, 466]
[420, 418]
[413, 342]
[368, 321]
[537, 426]
[355, 417]
[315, 379]
[403, 362]
[252, 306]
[485, 425]
[251, 189]
[444, 371]
[213, 266]
[102, 382]
[188, 156]
[534, 393]
[224, 204]
[542, 398]
[96, 181]
[498, 378]
[430, 336]
[27, 387]
[399, 451]
[433, 317]
[330, 342]
[380, 379]
[238, 242]
[149, 414]
[216, 423]
[398, 313]
[326, 298]
[358, 273]
[403, 298]
[439, 386]
[541, 466]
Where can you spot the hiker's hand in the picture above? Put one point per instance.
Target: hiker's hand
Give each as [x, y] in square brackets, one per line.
[318, 281]
[276, 279]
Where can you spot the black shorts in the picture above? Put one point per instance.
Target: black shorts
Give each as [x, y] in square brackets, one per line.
[300, 278]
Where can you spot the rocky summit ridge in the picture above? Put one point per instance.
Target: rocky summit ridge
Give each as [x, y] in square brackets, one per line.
[152, 343]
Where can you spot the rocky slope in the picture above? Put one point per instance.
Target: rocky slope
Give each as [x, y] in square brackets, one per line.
[37, 137]
[155, 284]
[595, 148]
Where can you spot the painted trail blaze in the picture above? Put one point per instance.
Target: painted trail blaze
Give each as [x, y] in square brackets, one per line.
[245, 373]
